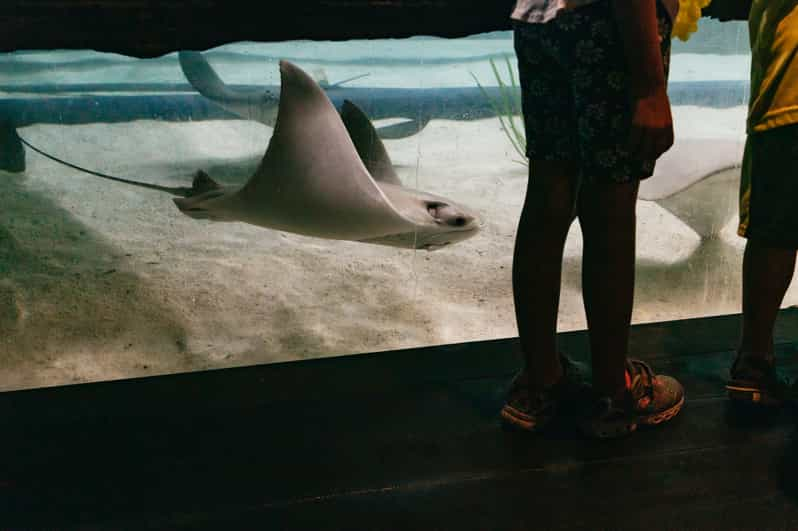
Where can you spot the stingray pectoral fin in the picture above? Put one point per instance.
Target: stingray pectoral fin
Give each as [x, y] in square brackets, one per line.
[12, 153]
[368, 144]
[709, 205]
[697, 180]
[402, 129]
[254, 105]
[689, 161]
[311, 180]
[204, 78]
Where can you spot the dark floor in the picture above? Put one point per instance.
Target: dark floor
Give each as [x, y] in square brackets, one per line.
[398, 440]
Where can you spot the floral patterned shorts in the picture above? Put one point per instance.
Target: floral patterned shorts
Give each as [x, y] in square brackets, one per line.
[575, 96]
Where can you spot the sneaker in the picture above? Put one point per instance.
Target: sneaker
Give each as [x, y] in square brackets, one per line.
[650, 399]
[754, 379]
[533, 413]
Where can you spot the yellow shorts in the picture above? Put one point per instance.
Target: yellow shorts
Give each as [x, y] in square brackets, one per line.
[769, 188]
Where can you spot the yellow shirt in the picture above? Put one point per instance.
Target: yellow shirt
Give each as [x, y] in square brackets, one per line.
[773, 27]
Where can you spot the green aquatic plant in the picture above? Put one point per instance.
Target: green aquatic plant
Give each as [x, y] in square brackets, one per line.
[507, 106]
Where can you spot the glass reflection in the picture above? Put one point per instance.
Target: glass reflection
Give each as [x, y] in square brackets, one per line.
[103, 280]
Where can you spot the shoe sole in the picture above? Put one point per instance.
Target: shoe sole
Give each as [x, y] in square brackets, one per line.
[515, 418]
[621, 429]
[662, 416]
[752, 394]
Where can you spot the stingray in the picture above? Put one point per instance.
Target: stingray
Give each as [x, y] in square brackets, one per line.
[261, 104]
[325, 175]
[697, 180]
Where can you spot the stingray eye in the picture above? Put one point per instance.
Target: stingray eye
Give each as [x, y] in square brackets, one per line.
[459, 221]
[434, 209]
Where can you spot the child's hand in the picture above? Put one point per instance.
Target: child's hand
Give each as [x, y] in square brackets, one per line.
[651, 133]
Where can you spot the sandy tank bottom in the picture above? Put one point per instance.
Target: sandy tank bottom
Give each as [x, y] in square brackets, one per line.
[102, 281]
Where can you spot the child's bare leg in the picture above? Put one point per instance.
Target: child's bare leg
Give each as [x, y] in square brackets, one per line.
[608, 218]
[767, 272]
[547, 215]
[769, 222]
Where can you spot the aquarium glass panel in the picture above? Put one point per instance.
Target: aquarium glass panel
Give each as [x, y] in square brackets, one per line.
[384, 223]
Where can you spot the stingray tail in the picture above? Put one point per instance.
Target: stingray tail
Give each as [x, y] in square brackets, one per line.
[177, 190]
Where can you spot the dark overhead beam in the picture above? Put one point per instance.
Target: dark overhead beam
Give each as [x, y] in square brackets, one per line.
[146, 28]
[728, 9]
[149, 28]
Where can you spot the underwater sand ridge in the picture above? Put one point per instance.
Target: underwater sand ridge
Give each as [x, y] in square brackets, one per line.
[71, 308]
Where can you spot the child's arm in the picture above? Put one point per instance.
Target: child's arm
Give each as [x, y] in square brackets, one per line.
[652, 125]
